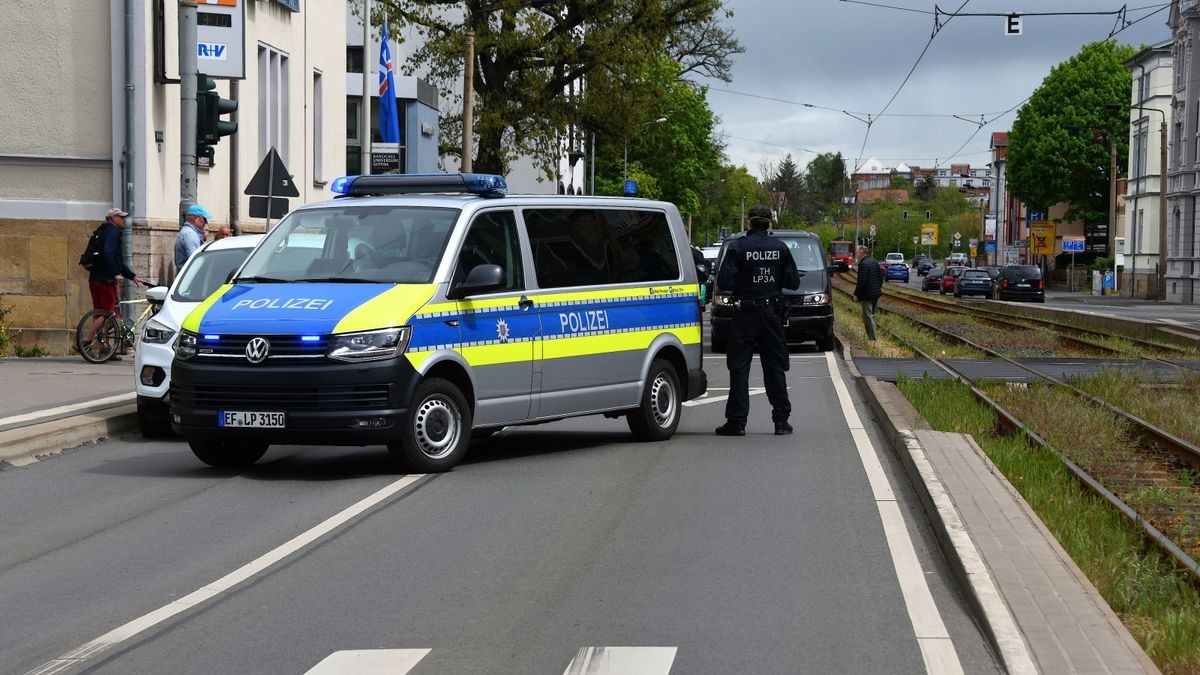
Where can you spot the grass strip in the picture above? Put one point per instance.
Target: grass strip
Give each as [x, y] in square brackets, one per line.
[1155, 599]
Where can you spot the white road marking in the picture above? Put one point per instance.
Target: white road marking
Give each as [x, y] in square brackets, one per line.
[369, 662]
[64, 410]
[111, 639]
[933, 639]
[754, 391]
[622, 660]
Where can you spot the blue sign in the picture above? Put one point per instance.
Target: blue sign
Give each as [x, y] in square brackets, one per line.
[1035, 216]
[989, 246]
[1072, 245]
[1110, 280]
[631, 188]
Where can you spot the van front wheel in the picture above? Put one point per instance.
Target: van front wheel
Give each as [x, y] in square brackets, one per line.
[438, 430]
[658, 415]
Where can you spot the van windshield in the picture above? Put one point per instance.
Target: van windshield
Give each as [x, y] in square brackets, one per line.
[365, 244]
[806, 252]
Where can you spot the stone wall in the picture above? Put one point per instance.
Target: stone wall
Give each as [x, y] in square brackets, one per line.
[41, 280]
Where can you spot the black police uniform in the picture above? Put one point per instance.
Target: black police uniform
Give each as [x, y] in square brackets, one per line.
[755, 271]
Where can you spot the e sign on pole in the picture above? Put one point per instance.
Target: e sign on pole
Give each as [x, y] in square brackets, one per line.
[1012, 24]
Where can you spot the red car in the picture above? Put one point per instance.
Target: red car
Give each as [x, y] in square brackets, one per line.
[952, 274]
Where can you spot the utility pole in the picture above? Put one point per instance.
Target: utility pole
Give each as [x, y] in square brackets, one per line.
[1162, 209]
[468, 101]
[365, 132]
[1112, 203]
[187, 106]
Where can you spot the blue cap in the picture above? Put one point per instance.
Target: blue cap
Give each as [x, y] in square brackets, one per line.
[197, 210]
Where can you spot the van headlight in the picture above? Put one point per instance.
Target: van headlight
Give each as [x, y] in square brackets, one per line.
[372, 345]
[816, 299]
[156, 333]
[187, 345]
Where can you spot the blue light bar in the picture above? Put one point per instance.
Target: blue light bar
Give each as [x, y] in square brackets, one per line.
[212, 338]
[310, 338]
[481, 184]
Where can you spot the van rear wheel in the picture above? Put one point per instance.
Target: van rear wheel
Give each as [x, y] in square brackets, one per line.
[438, 430]
[658, 415]
[225, 454]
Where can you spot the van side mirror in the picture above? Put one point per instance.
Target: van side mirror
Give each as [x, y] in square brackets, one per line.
[480, 279]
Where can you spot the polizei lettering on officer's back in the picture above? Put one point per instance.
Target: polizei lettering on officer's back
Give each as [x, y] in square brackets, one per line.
[579, 322]
[281, 303]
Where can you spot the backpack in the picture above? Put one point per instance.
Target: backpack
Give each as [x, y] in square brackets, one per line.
[94, 251]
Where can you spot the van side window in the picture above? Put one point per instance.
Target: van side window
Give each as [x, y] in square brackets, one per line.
[588, 247]
[492, 240]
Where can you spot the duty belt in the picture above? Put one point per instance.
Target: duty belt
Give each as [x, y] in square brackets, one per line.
[758, 303]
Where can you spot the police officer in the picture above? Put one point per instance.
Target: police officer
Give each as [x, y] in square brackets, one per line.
[756, 270]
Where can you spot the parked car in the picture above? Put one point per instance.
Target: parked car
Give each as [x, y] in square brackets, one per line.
[203, 273]
[896, 271]
[932, 280]
[949, 276]
[994, 273]
[1021, 282]
[894, 258]
[973, 282]
[958, 259]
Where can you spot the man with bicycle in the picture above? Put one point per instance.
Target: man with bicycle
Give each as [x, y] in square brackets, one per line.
[109, 270]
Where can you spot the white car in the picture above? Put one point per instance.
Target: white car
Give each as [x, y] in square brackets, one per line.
[895, 259]
[204, 273]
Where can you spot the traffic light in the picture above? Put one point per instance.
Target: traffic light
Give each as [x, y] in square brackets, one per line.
[209, 125]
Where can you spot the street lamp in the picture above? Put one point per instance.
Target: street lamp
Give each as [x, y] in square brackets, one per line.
[657, 121]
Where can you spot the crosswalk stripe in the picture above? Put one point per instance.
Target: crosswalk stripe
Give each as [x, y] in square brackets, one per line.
[369, 662]
[623, 660]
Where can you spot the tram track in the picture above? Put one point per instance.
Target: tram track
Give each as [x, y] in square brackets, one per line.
[1159, 445]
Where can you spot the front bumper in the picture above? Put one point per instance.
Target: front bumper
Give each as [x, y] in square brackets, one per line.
[152, 369]
[326, 403]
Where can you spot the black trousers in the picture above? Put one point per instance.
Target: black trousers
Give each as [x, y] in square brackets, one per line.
[757, 329]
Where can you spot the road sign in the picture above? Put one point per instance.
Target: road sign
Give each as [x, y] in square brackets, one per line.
[272, 179]
[989, 246]
[973, 242]
[268, 207]
[915, 240]
[1073, 244]
[1041, 238]
[929, 234]
[1012, 24]
[630, 188]
[957, 236]
[872, 230]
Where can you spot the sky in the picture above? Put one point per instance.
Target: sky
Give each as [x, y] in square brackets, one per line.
[853, 57]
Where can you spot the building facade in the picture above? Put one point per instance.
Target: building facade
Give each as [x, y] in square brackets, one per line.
[1149, 120]
[1182, 277]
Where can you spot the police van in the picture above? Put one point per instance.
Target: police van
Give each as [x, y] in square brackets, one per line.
[419, 311]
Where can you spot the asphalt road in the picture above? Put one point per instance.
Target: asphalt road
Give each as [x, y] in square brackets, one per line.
[760, 554]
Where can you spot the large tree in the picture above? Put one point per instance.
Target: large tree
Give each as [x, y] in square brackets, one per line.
[528, 59]
[1058, 149]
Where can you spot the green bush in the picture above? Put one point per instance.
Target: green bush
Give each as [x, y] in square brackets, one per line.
[1101, 264]
[5, 336]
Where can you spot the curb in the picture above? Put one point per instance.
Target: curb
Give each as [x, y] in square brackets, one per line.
[54, 432]
[898, 418]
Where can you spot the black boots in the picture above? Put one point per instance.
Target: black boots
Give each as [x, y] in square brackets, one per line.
[731, 428]
[782, 428]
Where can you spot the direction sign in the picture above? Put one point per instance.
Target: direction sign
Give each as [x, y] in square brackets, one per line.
[929, 234]
[1041, 238]
[1073, 244]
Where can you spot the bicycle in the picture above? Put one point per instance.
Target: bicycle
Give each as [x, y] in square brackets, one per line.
[114, 333]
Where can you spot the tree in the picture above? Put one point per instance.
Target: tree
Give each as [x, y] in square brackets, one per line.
[825, 183]
[1058, 149]
[529, 61]
[785, 178]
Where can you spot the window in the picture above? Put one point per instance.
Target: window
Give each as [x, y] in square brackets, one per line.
[273, 123]
[492, 240]
[318, 125]
[1139, 155]
[353, 137]
[354, 59]
[585, 247]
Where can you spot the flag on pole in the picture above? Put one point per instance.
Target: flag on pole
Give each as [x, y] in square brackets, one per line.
[389, 118]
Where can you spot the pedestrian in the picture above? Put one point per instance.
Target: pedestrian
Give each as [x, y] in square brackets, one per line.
[191, 234]
[868, 289]
[108, 271]
[222, 233]
[756, 269]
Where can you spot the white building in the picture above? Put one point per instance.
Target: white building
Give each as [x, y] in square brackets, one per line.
[1150, 110]
[64, 159]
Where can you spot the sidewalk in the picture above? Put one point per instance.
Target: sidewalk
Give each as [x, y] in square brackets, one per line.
[1056, 295]
[33, 385]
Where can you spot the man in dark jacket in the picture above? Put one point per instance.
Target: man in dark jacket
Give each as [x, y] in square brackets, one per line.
[110, 269]
[755, 271]
[868, 289]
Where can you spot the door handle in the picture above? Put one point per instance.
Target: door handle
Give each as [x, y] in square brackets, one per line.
[524, 302]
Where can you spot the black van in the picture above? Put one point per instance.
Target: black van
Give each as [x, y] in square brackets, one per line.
[1021, 282]
[809, 308]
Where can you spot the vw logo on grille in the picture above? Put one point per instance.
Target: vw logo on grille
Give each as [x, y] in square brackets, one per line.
[257, 350]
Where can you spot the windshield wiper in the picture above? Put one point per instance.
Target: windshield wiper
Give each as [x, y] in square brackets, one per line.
[342, 280]
[264, 280]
